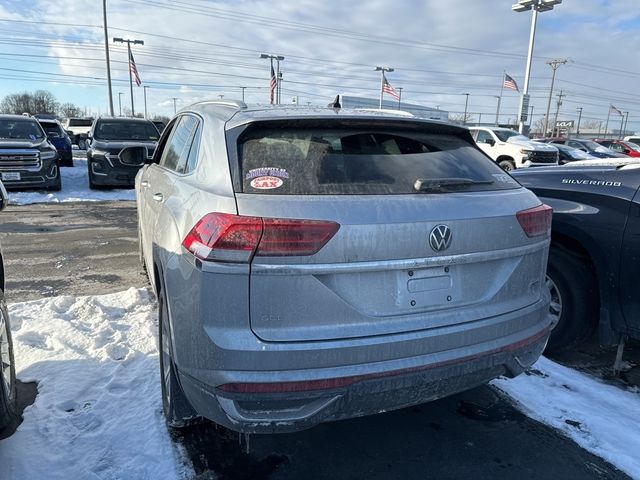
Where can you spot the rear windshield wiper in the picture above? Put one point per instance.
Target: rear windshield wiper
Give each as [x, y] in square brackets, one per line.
[446, 184]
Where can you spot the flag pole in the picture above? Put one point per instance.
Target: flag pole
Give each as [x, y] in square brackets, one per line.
[500, 97]
[133, 113]
[381, 87]
[606, 125]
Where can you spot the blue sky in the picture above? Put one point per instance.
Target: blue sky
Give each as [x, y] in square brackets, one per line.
[197, 49]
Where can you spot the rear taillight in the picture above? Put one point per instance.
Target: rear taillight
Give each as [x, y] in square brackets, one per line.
[536, 221]
[234, 238]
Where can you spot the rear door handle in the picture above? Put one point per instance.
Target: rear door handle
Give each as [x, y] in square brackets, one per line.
[144, 184]
[158, 197]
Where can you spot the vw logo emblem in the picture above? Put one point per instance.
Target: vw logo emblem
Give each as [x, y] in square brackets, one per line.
[440, 238]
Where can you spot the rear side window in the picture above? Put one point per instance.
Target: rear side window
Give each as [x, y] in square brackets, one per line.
[351, 161]
[178, 143]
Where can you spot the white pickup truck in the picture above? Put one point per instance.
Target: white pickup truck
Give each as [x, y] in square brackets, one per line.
[511, 150]
[77, 129]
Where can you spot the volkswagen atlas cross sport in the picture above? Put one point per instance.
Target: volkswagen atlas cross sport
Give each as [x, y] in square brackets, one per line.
[320, 264]
[27, 158]
[108, 136]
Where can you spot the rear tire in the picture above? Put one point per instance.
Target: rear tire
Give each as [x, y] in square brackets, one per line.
[178, 411]
[574, 293]
[8, 412]
[57, 186]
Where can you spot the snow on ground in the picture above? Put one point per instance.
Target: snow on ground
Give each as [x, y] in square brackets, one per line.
[601, 418]
[75, 188]
[98, 413]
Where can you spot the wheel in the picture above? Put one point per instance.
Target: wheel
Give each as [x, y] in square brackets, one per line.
[92, 185]
[507, 165]
[574, 299]
[7, 370]
[82, 144]
[177, 410]
[56, 187]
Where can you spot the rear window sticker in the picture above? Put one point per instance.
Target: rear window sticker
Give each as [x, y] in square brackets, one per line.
[267, 172]
[266, 182]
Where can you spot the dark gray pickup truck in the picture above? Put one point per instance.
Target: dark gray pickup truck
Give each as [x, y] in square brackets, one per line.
[594, 260]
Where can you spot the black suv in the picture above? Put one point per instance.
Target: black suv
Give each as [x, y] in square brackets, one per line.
[108, 136]
[27, 158]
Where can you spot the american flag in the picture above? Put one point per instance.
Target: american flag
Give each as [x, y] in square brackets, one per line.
[134, 70]
[272, 86]
[616, 110]
[510, 83]
[387, 88]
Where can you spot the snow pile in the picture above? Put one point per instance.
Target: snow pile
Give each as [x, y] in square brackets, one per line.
[98, 413]
[75, 188]
[601, 418]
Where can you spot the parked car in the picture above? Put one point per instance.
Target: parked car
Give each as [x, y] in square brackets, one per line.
[59, 139]
[633, 139]
[318, 265]
[7, 366]
[568, 154]
[511, 150]
[594, 268]
[627, 148]
[27, 158]
[78, 130]
[107, 138]
[159, 125]
[592, 148]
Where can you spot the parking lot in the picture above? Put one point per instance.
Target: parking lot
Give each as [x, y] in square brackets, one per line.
[91, 249]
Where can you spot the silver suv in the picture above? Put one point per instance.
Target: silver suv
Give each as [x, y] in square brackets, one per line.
[319, 264]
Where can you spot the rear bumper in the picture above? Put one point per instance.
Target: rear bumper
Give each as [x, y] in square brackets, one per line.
[359, 389]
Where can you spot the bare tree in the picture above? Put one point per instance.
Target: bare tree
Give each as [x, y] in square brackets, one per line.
[460, 117]
[41, 101]
[68, 110]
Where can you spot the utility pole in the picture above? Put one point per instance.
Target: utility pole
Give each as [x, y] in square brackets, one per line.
[499, 97]
[129, 56]
[382, 70]
[399, 96]
[120, 102]
[243, 88]
[174, 105]
[277, 58]
[579, 118]
[555, 121]
[466, 104]
[554, 64]
[144, 89]
[106, 51]
[536, 6]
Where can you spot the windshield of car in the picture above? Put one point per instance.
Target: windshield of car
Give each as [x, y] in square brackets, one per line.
[80, 122]
[633, 146]
[118, 130]
[21, 129]
[504, 135]
[593, 145]
[305, 161]
[51, 129]
[578, 154]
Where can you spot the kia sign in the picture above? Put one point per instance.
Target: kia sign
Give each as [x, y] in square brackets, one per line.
[564, 124]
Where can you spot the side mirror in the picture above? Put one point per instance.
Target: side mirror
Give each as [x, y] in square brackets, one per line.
[69, 132]
[4, 197]
[133, 156]
[490, 141]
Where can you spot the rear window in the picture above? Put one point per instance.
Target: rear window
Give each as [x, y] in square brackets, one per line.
[313, 161]
[80, 122]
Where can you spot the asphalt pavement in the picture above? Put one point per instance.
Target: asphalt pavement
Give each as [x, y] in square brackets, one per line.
[91, 248]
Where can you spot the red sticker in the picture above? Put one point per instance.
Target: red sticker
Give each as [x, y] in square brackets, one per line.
[266, 183]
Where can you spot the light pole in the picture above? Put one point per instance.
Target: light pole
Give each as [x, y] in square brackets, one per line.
[466, 104]
[579, 118]
[626, 118]
[120, 102]
[144, 89]
[174, 104]
[555, 121]
[277, 58]
[536, 6]
[499, 97]
[106, 51]
[554, 64]
[382, 70]
[243, 88]
[129, 57]
[621, 125]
